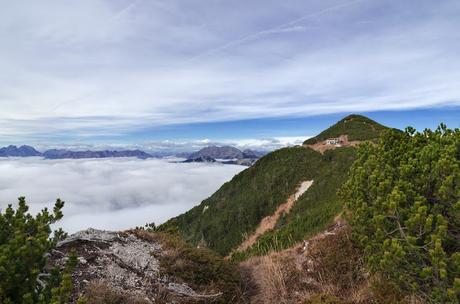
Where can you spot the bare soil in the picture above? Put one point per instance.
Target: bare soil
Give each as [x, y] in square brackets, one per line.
[323, 146]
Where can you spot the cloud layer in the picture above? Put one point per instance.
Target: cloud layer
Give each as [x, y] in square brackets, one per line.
[177, 146]
[99, 68]
[111, 193]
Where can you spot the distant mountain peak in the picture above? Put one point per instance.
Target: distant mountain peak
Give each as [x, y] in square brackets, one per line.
[22, 151]
[225, 152]
[218, 152]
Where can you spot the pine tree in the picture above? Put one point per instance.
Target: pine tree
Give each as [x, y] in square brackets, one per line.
[403, 202]
[24, 242]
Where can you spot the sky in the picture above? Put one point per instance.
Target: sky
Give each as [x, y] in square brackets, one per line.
[255, 73]
[110, 194]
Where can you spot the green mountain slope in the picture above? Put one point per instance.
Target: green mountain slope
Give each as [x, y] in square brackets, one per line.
[236, 209]
[314, 210]
[357, 127]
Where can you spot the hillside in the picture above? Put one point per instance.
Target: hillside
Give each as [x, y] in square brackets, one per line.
[357, 127]
[224, 220]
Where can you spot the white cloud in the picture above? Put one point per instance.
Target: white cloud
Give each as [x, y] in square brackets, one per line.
[111, 193]
[267, 144]
[110, 67]
[174, 146]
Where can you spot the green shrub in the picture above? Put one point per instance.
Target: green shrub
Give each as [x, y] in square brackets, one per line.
[24, 242]
[403, 201]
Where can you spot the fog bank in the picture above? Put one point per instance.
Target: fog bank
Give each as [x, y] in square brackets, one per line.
[110, 194]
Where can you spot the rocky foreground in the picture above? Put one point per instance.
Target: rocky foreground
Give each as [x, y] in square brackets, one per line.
[140, 267]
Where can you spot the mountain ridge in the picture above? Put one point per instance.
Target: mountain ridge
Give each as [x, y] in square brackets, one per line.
[230, 154]
[225, 219]
[225, 152]
[66, 154]
[22, 151]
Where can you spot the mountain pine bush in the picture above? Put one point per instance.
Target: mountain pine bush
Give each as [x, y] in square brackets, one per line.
[403, 202]
[25, 241]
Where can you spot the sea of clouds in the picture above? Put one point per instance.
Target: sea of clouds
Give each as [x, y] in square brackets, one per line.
[170, 147]
[111, 194]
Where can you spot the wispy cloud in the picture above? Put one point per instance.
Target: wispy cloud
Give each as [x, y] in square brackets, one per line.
[292, 29]
[110, 67]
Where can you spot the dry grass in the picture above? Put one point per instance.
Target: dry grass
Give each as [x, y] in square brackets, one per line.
[330, 270]
[336, 262]
[273, 280]
[99, 293]
[277, 278]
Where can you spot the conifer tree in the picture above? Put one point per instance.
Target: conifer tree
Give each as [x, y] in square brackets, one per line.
[403, 202]
[25, 241]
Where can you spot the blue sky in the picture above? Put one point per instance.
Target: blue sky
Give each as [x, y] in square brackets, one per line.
[297, 126]
[138, 71]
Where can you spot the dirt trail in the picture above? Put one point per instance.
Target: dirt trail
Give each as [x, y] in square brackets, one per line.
[323, 146]
[269, 222]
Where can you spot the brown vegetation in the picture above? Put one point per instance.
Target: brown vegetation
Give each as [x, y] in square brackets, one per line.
[100, 293]
[328, 268]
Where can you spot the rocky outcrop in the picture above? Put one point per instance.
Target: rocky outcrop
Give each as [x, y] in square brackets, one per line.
[125, 263]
